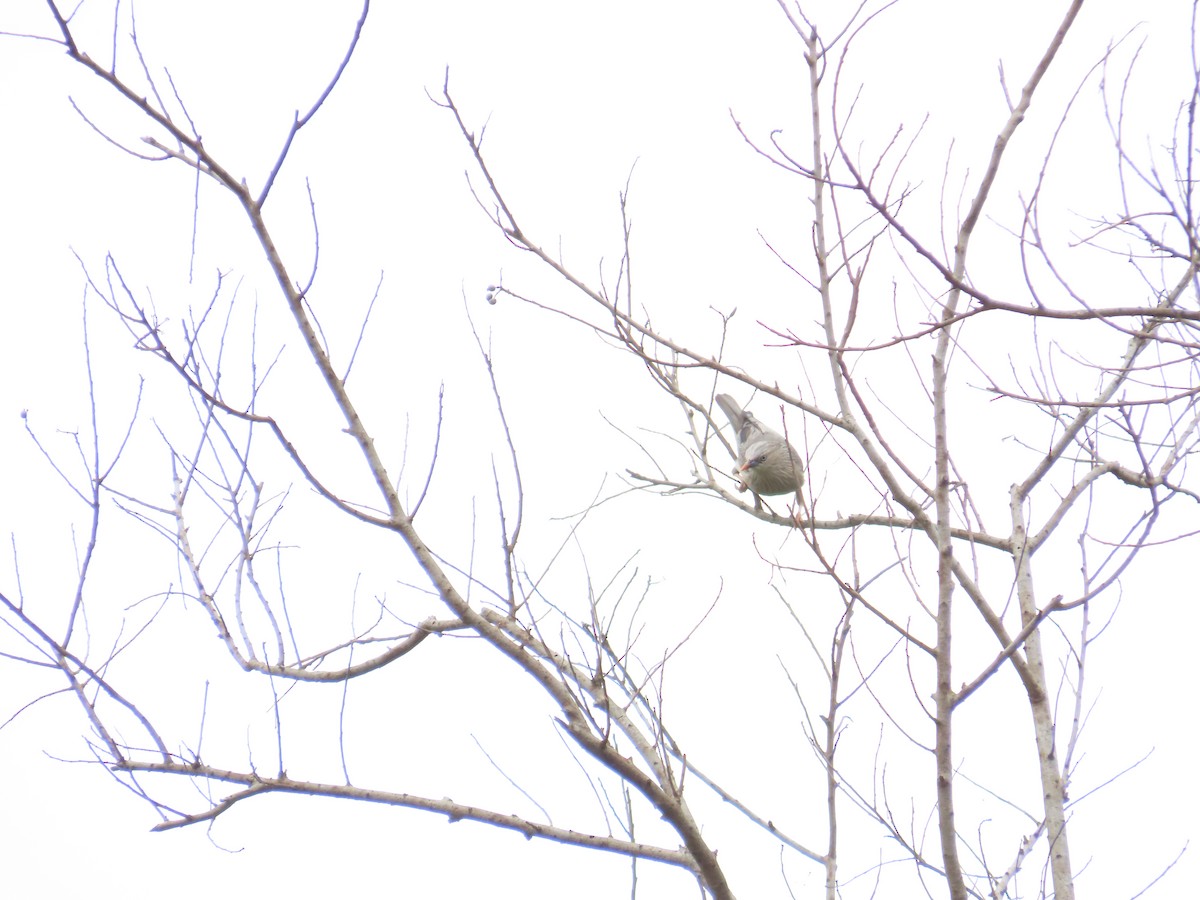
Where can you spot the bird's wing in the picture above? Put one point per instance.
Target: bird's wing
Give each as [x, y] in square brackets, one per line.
[753, 431]
[747, 426]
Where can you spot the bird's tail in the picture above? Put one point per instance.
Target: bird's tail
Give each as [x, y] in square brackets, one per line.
[731, 409]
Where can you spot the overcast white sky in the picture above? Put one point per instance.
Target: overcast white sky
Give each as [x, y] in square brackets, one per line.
[574, 95]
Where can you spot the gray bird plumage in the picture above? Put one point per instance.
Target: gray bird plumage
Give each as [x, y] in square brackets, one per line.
[766, 463]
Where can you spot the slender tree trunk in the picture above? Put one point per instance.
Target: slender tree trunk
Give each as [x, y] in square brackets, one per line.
[1053, 788]
[944, 695]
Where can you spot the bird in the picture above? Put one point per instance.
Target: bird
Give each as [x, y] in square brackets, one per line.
[766, 463]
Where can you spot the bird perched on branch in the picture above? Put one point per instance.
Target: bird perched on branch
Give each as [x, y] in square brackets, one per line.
[766, 463]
